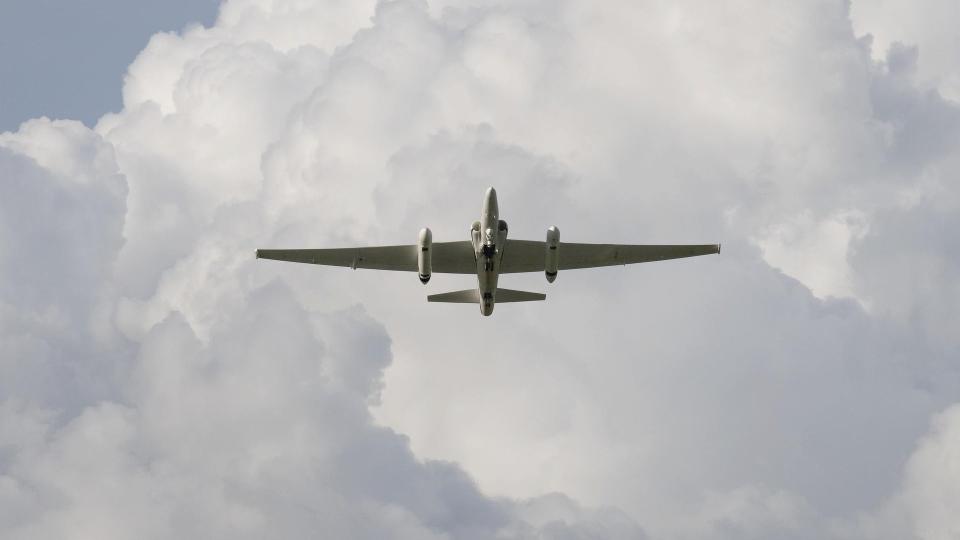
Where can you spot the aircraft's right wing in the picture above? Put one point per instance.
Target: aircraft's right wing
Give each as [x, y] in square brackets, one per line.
[530, 255]
[447, 258]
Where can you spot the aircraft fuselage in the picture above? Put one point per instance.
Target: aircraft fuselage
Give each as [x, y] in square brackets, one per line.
[488, 236]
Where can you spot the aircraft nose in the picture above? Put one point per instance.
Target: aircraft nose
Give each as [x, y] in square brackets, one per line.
[491, 192]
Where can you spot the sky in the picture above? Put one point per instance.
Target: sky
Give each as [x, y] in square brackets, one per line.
[157, 381]
[64, 59]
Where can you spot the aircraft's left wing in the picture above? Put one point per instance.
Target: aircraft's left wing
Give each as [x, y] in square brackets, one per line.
[447, 257]
[530, 255]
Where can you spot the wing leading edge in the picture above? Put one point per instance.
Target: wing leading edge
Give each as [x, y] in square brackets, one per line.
[530, 255]
[518, 256]
[448, 257]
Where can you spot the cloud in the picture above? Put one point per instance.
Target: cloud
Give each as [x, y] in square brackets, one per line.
[714, 397]
[889, 22]
[214, 441]
[61, 216]
[815, 253]
[931, 479]
[258, 426]
[921, 508]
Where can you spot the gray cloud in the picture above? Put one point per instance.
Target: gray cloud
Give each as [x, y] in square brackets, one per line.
[892, 21]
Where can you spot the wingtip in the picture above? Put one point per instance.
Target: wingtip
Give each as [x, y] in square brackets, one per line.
[719, 246]
[258, 254]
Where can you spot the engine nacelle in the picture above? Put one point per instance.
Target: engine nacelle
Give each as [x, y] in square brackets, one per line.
[553, 254]
[475, 236]
[424, 250]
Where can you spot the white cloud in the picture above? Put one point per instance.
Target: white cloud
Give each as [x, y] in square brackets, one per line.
[159, 369]
[249, 419]
[815, 252]
[60, 218]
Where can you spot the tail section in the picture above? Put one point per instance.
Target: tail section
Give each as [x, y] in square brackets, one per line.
[469, 296]
[472, 296]
[510, 295]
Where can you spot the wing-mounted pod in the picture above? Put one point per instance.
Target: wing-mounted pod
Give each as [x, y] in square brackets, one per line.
[475, 236]
[553, 254]
[424, 250]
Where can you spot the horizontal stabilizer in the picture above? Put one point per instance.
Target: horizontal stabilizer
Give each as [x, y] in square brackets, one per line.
[471, 296]
[510, 295]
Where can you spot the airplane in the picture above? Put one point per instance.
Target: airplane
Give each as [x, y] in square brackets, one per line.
[488, 254]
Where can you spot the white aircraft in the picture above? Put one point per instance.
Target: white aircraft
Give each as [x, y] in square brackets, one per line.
[488, 254]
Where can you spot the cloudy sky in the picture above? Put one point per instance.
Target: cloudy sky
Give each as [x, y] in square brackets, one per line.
[156, 381]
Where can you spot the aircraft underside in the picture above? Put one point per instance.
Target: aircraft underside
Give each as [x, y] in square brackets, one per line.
[487, 254]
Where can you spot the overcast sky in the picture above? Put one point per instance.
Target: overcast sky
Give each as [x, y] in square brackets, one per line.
[157, 381]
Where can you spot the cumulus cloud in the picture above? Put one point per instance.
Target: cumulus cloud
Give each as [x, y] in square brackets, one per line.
[61, 216]
[258, 427]
[158, 381]
[215, 441]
